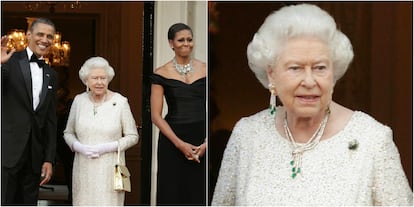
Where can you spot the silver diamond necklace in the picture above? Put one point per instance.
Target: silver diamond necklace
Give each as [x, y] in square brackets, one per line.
[299, 149]
[183, 69]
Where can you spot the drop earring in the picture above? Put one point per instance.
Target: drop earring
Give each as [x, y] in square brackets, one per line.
[87, 89]
[272, 103]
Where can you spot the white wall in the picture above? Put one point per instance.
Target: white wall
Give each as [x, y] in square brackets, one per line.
[167, 13]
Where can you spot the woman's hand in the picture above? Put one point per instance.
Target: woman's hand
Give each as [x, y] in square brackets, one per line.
[201, 150]
[189, 151]
[84, 149]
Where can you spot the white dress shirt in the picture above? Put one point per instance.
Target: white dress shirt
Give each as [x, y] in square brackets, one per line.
[37, 80]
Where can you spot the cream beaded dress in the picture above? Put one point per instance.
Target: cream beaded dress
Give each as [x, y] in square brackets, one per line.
[93, 178]
[256, 167]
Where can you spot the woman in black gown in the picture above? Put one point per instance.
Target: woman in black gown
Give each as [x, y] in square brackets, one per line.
[181, 145]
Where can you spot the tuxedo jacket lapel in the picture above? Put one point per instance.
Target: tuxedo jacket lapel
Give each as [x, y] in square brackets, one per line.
[45, 87]
[27, 75]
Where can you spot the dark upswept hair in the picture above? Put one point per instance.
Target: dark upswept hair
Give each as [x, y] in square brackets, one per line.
[176, 28]
[42, 20]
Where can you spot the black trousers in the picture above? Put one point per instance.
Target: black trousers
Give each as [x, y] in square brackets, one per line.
[20, 184]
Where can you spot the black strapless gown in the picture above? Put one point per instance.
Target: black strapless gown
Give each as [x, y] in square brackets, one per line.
[180, 181]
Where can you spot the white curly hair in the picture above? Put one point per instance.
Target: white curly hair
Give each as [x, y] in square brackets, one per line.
[297, 21]
[92, 63]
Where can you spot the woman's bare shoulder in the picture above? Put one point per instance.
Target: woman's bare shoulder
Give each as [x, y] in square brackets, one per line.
[163, 70]
[200, 65]
[197, 62]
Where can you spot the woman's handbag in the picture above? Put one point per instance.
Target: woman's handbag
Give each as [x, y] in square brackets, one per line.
[122, 180]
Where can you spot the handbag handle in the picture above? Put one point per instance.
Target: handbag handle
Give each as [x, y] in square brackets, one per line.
[119, 152]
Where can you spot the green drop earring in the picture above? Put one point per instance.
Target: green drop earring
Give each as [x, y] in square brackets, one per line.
[272, 104]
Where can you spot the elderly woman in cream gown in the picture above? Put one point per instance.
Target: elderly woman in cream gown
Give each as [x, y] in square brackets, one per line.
[311, 150]
[99, 121]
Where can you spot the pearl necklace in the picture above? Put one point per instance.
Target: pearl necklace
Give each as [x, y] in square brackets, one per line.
[185, 69]
[299, 149]
[96, 105]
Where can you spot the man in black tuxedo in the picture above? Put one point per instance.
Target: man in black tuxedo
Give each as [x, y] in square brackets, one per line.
[28, 116]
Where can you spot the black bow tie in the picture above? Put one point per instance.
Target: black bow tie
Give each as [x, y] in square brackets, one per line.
[40, 63]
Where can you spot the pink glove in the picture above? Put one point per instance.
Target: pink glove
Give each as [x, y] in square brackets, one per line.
[103, 148]
[84, 149]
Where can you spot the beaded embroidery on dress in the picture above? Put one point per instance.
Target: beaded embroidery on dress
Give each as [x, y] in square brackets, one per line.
[255, 169]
